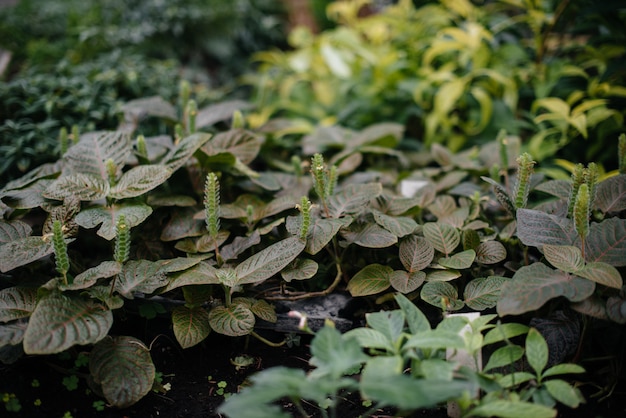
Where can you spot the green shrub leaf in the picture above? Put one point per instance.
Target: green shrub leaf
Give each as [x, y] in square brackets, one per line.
[416, 253]
[442, 275]
[59, 322]
[483, 292]
[370, 280]
[23, 251]
[269, 261]
[180, 155]
[490, 252]
[202, 273]
[235, 320]
[536, 351]
[13, 230]
[90, 276]
[462, 260]
[89, 156]
[140, 180]
[443, 237]
[371, 338]
[564, 392]
[123, 368]
[534, 285]
[513, 409]
[134, 213]
[606, 242]
[353, 199]
[564, 257]
[405, 282]
[322, 232]
[504, 332]
[242, 144]
[415, 318]
[369, 236]
[611, 194]
[333, 354]
[140, 276]
[442, 295]
[400, 226]
[504, 356]
[156, 106]
[17, 302]
[219, 112]
[602, 273]
[536, 228]
[191, 325]
[80, 185]
[299, 269]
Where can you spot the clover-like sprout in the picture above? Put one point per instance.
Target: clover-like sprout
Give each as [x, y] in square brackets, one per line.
[60, 250]
[212, 204]
[522, 186]
[122, 240]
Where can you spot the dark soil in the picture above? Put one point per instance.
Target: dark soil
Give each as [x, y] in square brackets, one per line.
[194, 376]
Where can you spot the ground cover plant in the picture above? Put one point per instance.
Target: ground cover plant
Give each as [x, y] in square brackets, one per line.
[206, 217]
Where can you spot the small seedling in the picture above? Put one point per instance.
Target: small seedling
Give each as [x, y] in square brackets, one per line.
[70, 382]
[242, 362]
[11, 402]
[98, 405]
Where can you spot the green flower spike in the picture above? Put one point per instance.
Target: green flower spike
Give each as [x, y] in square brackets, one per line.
[522, 186]
[122, 240]
[60, 250]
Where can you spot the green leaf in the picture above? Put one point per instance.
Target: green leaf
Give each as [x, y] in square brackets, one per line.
[536, 228]
[564, 257]
[243, 144]
[123, 368]
[534, 285]
[390, 323]
[483, 292]
[443, 237]
[234, 321]
[372, 279]
[416, 253]
[140, 180]
[564, 392]
[606, 242]
[200, 274]
[462, 260]
[416, 320]
[134, 213]
[504, 356]
[17, 302]
[536, 351]
[611, 194]
[219, 112]
[182, 225]
[435, 339]
[405, 282]
[369, 236]
[602, 273]
[563, 368]
[322, 232]
[300, 269]
[513, 409]
[334, 354]
[13, 230]
[138, 109]
[490, 252]
[191, 325]
[140, 276]
[353, 199]
[442, 275]
[89, 156]
[59, 322]
[442, 295]
[269, 261]
[12, 334]
[183, 151]
[23, 251]
[504, 332]
[173, 265]
[91, 276]
[371, 338]
[86, 187]
[400, 226]
[515, 379]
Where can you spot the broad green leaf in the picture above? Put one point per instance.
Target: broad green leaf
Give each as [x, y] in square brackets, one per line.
[400, 226]
[536, 228]
[558, 188]
[416, 253]
[405, 282]
[606, 242]
[200, 274]
[123, 368]
[183, 151]
[12, 334]
[177, 200]
[513, 409]
[611, 194]
[83, 186]
[333, 354]
[234, 321]
[504, 356]
[322, 232]
[183, 225]
[532, 286]
[90, 276]
[219, 112]
[24, 251]
[435, 339]
[369, 236]
[592, 306]
[235, 248]
[243, 144]
[471, 241]
[269, 261]
[300, 269]
[504, 332]
[490, 252]
[564, 257]
[371, 338]
[60, 322]
[134, 213]
[442, 295]
[563, 368]
[443, 237]
[173, 265]
[438, 369]
[139, 180]
[13, 230]
[442, 275]
[415, 319]
[353, 199]
[390, 323]
[564, 392]
[370, 280]
[462, 260]
[448, 96]
[602, 273]
[264, 310]
[483, 292]
[515, 379]
[89, 156]
[191, 325]
[536, 351]
[28, 197]
[443, 206]
[17, 302]
[140, 276]
[138, 109]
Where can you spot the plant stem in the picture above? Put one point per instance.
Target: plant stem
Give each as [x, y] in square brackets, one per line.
[307, 295]
[266, 341]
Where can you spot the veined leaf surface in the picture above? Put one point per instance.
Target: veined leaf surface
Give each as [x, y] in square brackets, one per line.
[191, 325]
[134, 213]
[269, 261]
[235, 320]
[17, 302]
[140, 180]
